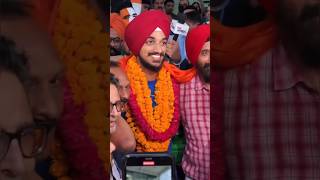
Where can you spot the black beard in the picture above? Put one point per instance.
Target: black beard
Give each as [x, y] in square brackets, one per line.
[181, 8]
[150, 67]
[204, 71]
[301, 35]
[114, 52]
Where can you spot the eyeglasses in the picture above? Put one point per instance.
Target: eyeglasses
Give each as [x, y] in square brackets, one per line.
[32, 140]
[116, 40]
[120, 106]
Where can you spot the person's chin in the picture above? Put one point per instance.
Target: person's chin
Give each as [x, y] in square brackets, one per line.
[113, 129]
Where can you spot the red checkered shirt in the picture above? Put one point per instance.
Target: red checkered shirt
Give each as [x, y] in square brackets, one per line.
[195, 114]
[271, 121]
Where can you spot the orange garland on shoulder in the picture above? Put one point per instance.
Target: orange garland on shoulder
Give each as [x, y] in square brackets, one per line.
[159, 117]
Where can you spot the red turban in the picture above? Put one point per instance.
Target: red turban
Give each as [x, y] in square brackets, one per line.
[195, 40]
[140, 28]
[118, 24]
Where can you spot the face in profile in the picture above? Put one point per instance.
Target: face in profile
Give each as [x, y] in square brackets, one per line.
[20, 139]
[153, 51]
[124, 84]
[203, 64]
[115, 108]
[45, 88]
[300, 26]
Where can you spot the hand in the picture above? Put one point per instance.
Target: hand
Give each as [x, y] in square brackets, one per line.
[173, 50]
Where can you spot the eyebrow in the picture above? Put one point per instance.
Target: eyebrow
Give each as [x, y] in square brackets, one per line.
[150, 37]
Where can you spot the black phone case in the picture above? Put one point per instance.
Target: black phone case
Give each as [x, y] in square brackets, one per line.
[160, 159]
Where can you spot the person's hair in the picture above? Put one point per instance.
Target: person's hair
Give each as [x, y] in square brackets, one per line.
[193, 16]
[146, 2]
[167, 1]
[114, 80]
[13, 61]
[19, 8]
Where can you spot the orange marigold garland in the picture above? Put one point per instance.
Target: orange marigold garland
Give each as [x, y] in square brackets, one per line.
[152, 127]
[80, 39]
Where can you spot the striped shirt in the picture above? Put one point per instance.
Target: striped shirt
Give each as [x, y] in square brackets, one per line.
[271, 121]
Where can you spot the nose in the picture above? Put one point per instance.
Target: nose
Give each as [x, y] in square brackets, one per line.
[46, 106]
[124, 93]
[12, 165]
[158, 48]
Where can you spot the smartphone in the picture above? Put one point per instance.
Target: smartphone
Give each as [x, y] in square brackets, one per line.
[149, 166]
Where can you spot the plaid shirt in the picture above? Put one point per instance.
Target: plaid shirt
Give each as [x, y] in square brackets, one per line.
[195, 114]
[271, 122]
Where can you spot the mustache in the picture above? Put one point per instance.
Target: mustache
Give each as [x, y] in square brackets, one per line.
[155, 53]
[309, 12]
[206, 66]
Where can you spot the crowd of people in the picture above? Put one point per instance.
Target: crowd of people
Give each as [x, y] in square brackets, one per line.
[162, 84]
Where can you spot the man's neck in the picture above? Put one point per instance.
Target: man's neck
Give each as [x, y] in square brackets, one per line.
[151, 75]
[207, 85]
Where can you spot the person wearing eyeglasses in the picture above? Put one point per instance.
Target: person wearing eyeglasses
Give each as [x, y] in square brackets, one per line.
[116, 107]
[21, 139]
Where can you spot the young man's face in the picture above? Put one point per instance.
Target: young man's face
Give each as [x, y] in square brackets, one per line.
[203, 64]
[153, 51]
[169, 7]
[158, 4]
[15, 114]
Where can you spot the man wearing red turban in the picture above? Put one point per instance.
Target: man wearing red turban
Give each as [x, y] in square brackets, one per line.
[195, 106]
[154, 97]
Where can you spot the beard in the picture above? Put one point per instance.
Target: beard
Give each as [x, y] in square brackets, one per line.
[149, 66]
[204, 71]
[181, 8]
[301, 34]
[114, 52]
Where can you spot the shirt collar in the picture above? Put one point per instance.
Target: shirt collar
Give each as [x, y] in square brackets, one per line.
[286, 75]
[199, 85]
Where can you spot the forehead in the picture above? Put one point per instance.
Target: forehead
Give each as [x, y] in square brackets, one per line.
[159, 35]
[14, 108]
[206, 46]
[35, 43]
[113, 33]
[114, 94]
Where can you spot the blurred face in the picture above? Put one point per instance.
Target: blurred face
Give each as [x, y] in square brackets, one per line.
[145, 7]
[196, 5]
[300, 26]
[169, 7]
[153, 51]
[158, 4]
[15, 114]
[115, 43]
[114, 112]
[124, 84]
[45, 89]
[182, 5]
[203, 64]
